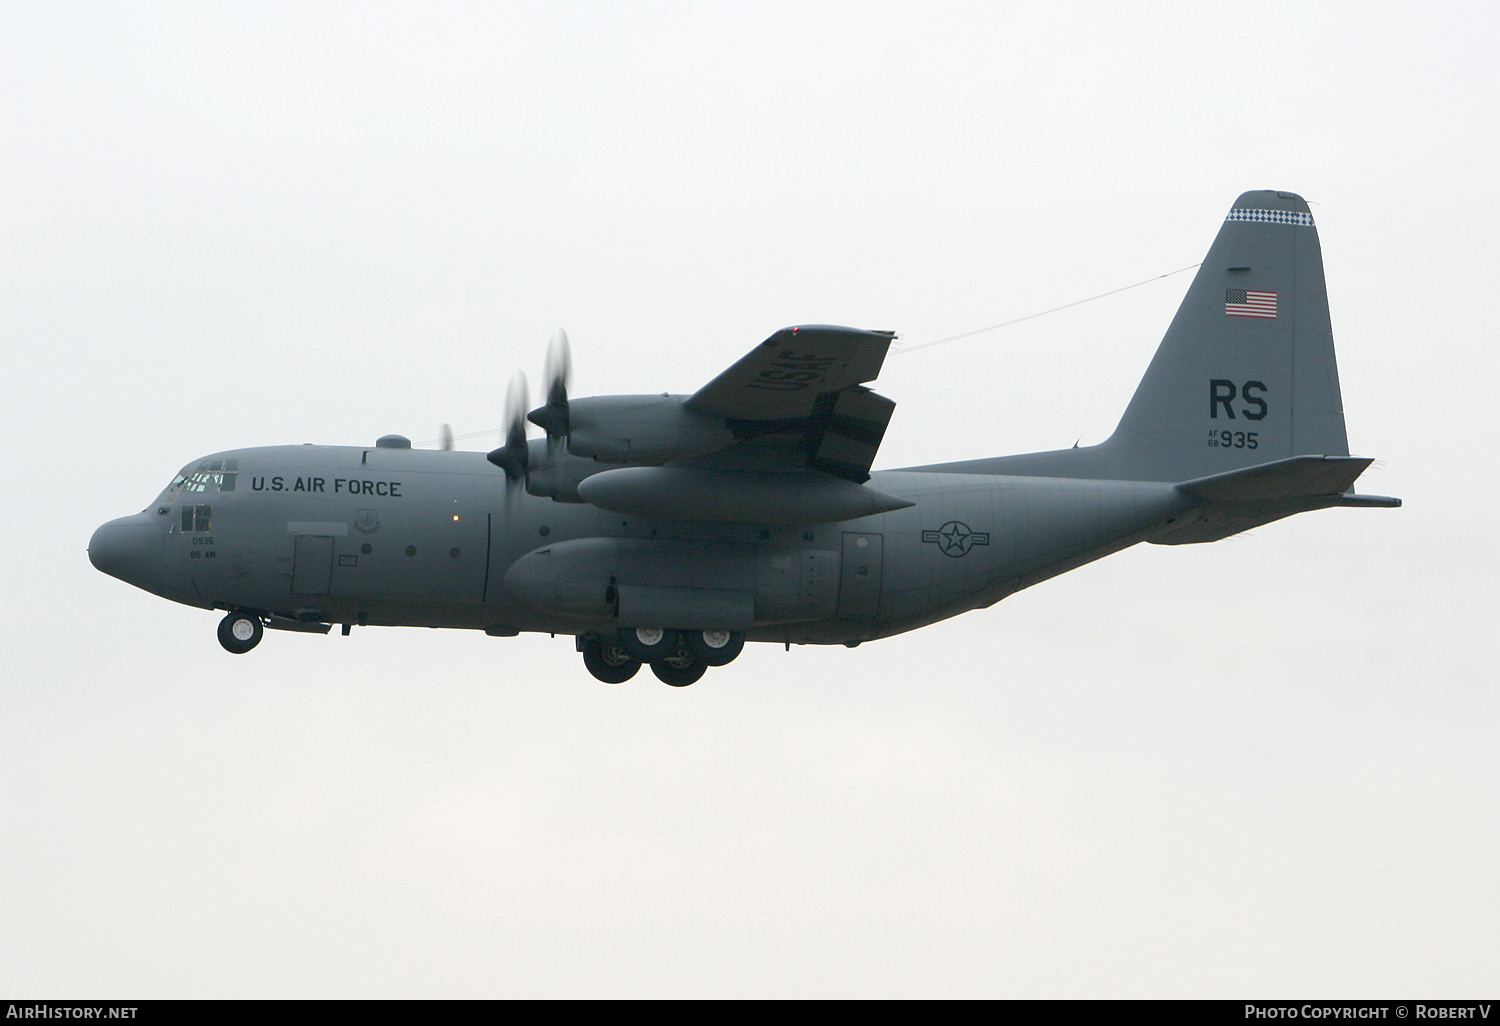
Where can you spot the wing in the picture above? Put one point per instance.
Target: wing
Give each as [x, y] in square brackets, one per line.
[797, 401]
[782, 377]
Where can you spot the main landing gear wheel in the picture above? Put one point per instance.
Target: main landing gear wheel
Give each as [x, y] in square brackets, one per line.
[714, 648]
[609, 662]
[678, 670]
[240, 632]
[648, 644]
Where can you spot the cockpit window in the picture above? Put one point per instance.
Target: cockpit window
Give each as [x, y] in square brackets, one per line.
[197, 518]
[208, 476]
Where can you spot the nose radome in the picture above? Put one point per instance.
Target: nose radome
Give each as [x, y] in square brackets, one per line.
[129, 548]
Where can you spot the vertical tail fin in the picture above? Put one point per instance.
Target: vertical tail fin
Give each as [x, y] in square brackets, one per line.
[1246, 372]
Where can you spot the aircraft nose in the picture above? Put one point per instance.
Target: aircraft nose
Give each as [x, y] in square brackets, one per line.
[129, 548]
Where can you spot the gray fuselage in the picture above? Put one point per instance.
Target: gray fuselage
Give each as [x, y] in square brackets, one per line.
[340, 534]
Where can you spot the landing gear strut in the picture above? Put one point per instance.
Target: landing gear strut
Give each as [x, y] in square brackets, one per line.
[240, 631]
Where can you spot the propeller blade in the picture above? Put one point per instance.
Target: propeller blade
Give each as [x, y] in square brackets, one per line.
[553, 417]
[512, 456]
[559, 369]
[517, 398]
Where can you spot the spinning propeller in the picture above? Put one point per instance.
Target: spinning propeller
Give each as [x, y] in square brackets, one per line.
[512, 456]
[553, 417]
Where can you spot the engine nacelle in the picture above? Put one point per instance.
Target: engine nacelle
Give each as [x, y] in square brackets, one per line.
[555, 474]
[642, 429]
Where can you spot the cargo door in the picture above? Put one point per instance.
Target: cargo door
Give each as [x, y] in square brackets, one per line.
[859, 576]
[312, 565]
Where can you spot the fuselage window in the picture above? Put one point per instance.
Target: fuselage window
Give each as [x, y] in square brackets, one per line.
[197, 518]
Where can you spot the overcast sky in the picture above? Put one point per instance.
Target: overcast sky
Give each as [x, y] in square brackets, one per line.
[1266, 766]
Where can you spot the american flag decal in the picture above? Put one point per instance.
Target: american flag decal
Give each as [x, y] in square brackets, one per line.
[1249, 303]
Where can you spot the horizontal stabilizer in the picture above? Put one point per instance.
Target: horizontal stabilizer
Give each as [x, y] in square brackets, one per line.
[1297, 477]
[1372, 501]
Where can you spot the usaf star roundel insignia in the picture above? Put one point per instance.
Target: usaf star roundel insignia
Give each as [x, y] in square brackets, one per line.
[955, 538]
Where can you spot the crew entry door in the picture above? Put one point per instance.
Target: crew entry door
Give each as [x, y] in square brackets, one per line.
[312, 564]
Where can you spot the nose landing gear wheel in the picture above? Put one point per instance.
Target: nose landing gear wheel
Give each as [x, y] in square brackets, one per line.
[609, 662]
[240, 632]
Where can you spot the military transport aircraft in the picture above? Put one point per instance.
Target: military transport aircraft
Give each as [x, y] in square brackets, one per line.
[671, 529]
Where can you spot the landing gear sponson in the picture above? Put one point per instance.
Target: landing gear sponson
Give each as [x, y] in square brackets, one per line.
[678, 658]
